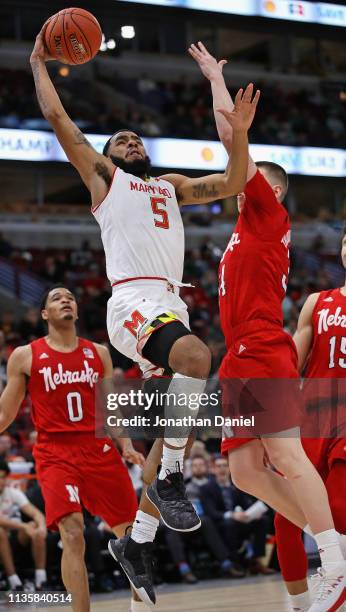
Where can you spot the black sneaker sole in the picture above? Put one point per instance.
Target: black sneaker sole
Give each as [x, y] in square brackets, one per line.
[194, 528]
[141, 592]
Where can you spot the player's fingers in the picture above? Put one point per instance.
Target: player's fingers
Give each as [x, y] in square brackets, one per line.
[238, 98]
[256, 98]
[222, 63]
[202, 48]
[248, 93]
[194, 52]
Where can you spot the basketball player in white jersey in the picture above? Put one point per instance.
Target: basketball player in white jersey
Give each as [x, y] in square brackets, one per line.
[143, 238]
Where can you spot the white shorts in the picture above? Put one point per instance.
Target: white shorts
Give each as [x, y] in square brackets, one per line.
[131, 309]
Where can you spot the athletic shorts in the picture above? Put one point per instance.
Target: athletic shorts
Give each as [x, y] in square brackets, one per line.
[76, 471]
[323, 452]
[259, 378]
[134, 305]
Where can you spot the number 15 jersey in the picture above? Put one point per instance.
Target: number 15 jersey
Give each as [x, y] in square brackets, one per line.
[254, 269]
[141, 229]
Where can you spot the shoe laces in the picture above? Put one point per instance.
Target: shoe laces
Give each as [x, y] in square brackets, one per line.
[177, 480]
[322, 584]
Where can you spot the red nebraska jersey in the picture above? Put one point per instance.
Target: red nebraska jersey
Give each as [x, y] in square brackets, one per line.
[62, 387]
[254, 268]
[328, 353]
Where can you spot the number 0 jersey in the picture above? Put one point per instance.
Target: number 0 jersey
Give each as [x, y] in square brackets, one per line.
[141, 229]
[62, 387]
[328, 352]
[254, 268]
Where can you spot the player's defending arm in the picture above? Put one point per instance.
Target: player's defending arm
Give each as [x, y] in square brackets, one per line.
[215, 186]
[14, 391]
[95, 169]
[303, 336]
[212, 70]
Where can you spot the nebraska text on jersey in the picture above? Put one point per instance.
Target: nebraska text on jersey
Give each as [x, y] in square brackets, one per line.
[61, 377]
[327, 320]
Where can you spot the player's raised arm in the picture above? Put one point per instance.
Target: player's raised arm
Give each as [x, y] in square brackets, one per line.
[212, 70]
[95, 169]
[303, 336]
[14, 391]
[215, 186]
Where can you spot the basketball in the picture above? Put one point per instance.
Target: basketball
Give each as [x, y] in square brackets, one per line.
[73, 36]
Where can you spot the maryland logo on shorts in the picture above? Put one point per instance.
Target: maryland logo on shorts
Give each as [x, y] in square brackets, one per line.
[146, 330]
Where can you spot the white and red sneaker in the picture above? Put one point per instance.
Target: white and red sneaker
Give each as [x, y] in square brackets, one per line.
[330, 591]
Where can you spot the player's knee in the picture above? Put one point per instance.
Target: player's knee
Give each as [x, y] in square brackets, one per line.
[289, 462]
[194, 358]
[73, 537]
[241, 478]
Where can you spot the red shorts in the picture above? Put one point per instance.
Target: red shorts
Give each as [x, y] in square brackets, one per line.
[323, 452]
[78, 470]
[258, 368]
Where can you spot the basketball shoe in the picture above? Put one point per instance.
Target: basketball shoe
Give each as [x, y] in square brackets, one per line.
[169, 498]
[136, 561]
[330, 591]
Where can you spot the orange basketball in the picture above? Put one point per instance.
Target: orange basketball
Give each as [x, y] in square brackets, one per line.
[73, 36]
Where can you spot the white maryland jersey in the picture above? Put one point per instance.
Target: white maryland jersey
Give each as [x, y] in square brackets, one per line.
[141, 229]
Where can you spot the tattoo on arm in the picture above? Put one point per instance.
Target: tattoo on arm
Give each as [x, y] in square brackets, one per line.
[102, 170]
[41, 100]
[80, 138]
[203, 190]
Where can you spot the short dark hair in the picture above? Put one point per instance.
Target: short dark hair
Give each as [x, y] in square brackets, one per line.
[4, 467]
[47, 292]
[277, 174]
[219, 456]
[199, 457]
[108, 143]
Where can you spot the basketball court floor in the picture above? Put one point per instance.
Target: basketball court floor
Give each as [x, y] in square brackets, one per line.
[263, 594]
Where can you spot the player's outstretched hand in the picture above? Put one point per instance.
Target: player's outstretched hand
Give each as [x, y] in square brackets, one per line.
[209, 66]
[130, 454]
[244, 110]
[40, 50]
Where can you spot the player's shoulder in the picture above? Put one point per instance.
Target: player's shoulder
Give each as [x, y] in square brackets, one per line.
[102, 350]
[310, 303]
[20, 354]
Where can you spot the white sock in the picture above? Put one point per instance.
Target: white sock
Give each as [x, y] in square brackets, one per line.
[40, 577]
[139, 606]
[329, 549]
[301, 602]
[185, 392]
[144, 527]
[342, 539]
[14, 581]
[172, 458]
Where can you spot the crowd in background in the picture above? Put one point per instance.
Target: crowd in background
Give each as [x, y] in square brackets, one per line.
[83, 270]
[176, 109]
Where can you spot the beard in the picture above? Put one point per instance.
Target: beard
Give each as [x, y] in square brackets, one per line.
[137, 167]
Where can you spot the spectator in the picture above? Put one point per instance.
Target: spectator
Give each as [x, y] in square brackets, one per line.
[226, 505]
[14, 530]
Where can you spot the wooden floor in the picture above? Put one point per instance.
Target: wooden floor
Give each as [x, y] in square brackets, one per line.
[264, 594]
